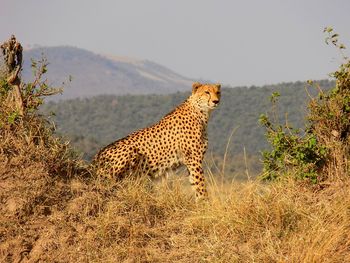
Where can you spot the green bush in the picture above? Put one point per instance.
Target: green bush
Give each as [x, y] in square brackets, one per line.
[291, 149]
[320, 151]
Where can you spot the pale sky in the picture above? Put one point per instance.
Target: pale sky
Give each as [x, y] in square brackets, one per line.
[253, 42]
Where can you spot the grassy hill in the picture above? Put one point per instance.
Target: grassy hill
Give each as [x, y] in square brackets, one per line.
[94, 74]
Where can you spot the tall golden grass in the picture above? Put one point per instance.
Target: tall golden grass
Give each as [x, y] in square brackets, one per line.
[136, 220]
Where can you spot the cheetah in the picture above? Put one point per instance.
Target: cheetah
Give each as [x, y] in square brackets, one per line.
[179, 138]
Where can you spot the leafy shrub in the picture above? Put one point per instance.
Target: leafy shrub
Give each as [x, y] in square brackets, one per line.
[291, 149]
[320, 151]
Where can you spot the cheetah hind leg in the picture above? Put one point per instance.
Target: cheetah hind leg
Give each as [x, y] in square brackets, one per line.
[129, 163]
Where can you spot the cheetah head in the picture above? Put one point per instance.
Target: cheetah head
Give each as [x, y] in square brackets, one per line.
[206, 96]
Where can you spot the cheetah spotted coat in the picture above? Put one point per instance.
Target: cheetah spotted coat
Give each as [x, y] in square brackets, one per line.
[179, 138]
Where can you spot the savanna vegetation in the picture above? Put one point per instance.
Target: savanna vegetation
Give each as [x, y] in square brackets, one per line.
[54, 209]
[234, 130]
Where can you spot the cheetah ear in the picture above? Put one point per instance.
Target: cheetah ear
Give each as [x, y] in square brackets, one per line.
[218, 85]
[195, 87]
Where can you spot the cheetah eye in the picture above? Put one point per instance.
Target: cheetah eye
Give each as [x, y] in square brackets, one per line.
[207, 92]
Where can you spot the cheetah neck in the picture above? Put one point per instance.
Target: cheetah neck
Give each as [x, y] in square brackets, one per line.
[203, 113]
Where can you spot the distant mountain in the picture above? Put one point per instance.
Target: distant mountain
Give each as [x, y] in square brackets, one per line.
[94, 74]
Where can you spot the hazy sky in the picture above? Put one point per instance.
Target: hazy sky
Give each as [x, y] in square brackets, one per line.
[232, 42]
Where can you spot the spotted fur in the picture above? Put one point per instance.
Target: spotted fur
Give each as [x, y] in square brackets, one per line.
[179, 138]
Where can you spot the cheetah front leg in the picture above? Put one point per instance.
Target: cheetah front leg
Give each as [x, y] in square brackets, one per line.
[197, 178]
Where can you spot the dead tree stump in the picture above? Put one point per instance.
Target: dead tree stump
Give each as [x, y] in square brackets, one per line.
[12, 52]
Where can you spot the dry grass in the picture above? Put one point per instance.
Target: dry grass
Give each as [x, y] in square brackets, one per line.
[88, 220]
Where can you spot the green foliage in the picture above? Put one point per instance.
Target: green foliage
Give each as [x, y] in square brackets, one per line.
[291, 151]
[12, 117]
[32, 95]
[274, 96]
[321, 149]
[4, 87]
[34, 92]
[333, 38]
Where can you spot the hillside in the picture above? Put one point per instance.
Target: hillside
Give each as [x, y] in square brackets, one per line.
[94, 74]
[92, 123]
